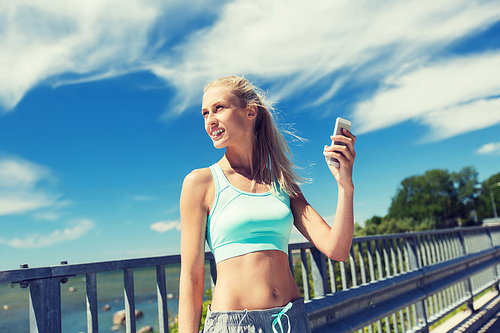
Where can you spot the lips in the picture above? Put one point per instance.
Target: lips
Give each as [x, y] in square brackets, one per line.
[217, 133]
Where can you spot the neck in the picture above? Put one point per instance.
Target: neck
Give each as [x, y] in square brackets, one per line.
[240, 163]
[240, 159]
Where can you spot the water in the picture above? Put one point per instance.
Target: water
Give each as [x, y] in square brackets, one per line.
[109, 291]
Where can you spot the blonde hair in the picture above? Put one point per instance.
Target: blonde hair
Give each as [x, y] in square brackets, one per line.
[272, 155]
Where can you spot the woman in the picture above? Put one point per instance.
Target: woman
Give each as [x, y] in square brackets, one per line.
[244, 206]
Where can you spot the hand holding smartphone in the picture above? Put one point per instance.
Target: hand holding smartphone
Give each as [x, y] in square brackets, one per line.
[340, 123]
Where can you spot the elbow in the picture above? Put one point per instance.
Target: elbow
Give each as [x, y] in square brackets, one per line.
[338, 254]
[191, 288]
[342, 258]
[193, 277]
[192, 280]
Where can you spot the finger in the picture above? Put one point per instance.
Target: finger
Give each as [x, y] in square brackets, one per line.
[348, 134]
[346, 153]
[348, 141]
[340, 153]
[330, 159]
[338, 148]
[336, 139]
[346, 161]
[345, 134]
[343, 163]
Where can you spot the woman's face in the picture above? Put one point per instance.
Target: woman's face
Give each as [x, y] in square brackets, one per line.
[226, 121]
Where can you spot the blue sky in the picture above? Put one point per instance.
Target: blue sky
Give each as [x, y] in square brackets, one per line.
[100, 107]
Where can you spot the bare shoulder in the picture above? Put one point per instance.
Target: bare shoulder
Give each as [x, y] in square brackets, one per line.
[198, 179]
[198, 187]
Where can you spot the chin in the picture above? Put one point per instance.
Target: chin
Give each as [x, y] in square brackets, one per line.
[218, 145]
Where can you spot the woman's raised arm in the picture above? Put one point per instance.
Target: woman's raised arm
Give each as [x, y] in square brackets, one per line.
[335, 241]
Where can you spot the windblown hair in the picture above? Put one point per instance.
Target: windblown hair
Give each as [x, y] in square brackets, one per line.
[272, 158]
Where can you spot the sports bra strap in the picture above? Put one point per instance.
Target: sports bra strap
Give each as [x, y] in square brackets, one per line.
[219, 177]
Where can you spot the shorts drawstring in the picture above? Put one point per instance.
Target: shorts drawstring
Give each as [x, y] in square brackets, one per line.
[246, 311]
[278, 318]
[237, 321]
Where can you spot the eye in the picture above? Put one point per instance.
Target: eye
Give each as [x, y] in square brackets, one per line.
[204, 113]
[218, 107]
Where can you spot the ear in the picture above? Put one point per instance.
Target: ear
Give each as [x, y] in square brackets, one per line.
[252, 111]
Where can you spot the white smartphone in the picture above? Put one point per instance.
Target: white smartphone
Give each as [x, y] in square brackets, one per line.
[340, 123]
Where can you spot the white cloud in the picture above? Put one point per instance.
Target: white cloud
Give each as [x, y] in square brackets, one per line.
[19, 173]
[93, 38]
[21, 187]
[452, 97]
[164, 226]
[45, 38]
[49, 216]
[20, 202]
[460, 119]
[145, 198]
[292, 45]
[492, 148]
[78, 229]
[288, 45]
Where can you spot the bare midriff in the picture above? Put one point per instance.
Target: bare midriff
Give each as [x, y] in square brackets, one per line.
[258, 280]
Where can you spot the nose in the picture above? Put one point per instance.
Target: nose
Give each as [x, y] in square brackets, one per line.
[211, 119]
[210, 122]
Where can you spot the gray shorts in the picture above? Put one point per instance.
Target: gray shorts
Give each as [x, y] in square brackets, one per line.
[291, 318]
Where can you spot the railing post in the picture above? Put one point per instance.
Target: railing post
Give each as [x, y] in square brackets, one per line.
[319, 273]
[463, 247]
[45, 305]
[91, 290]
[467, 283]
[412, 250]
[128, 282]
[161, 291]
[290, 261]
[305, 274]
[213, 272]
[352, 262]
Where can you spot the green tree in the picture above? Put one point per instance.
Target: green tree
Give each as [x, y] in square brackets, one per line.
[428, 196]
[447, 198]
[386, 225]
[466, 182]
[484, 207]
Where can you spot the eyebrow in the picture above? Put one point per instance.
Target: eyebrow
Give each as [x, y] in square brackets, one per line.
[217, 102]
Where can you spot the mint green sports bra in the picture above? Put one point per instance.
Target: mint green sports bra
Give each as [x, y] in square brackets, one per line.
[242, 222]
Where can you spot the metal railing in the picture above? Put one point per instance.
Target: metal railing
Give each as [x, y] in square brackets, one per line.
[401, 282]
[393, 283]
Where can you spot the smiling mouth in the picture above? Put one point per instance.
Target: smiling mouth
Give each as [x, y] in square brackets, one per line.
[217, 133]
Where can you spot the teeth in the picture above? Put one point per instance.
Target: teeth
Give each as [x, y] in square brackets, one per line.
[219, 131]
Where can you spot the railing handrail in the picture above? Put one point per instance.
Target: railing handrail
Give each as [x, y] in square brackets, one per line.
[26, 274]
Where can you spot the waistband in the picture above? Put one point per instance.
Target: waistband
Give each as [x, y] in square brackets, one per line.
[247, 317]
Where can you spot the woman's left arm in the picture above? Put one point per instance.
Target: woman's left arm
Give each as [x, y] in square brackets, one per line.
[335, 241]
